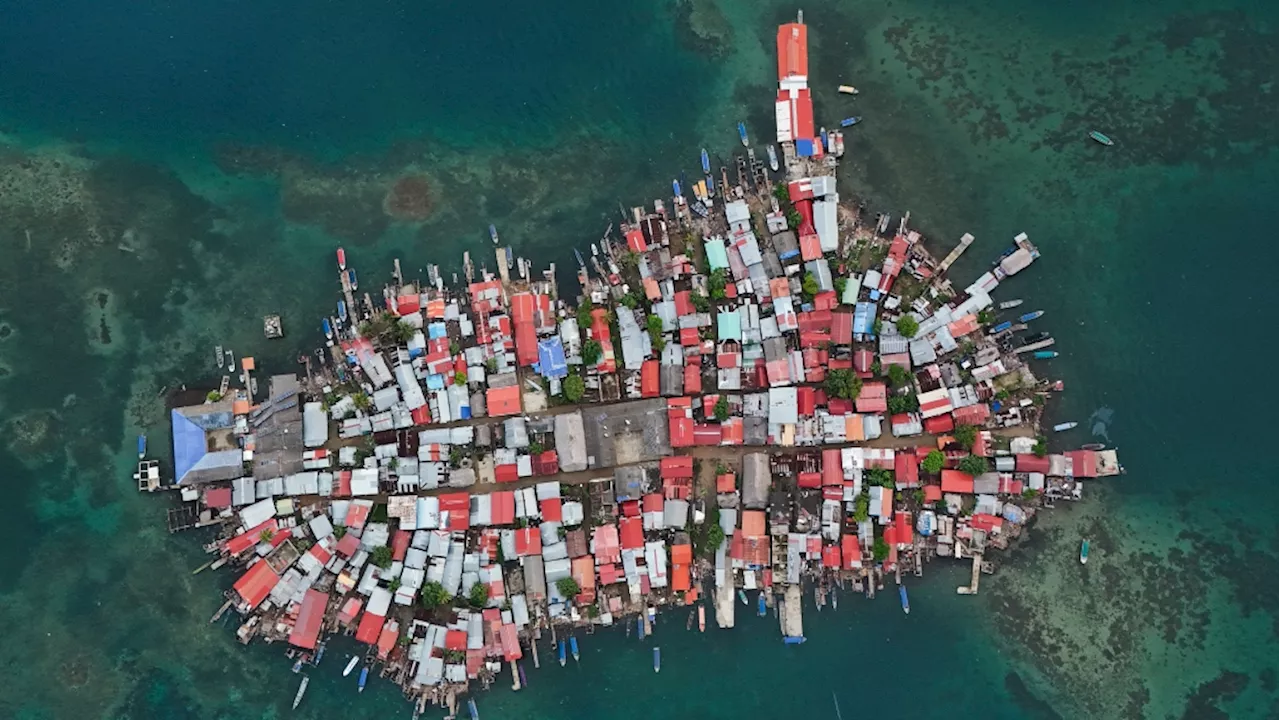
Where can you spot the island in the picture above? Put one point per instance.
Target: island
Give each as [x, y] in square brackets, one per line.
[757, 393]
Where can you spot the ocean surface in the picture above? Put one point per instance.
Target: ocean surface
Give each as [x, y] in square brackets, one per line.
[228, 147]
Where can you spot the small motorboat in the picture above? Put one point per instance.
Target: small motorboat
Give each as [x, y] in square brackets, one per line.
[706, 161]
[850, 121]
[364, 678]
[839, 144]
[563, 651]
[773, 158]
[142, 446]
[342, 259]
[1058, 386]
[847, 90]
[1001, 327]
[219, 355]
[472, 710]
[657, 658]
[835, 603]
[524, 681]
[327, 327]
[639, 628]
[675, 187]
[1093, 446]
[319, 654]
[760, 605]
[573, 647]
[493, 234]
[1084, 551]
[355, 660]
[902, 595]
[824, 139]
[1063, 427]
[1010, 304]
[742, 134]
[742, 595]
[342, 311]
[302, 690]
[1101, 138]
[1028, 317]
[1045, 354]
[1034, 338]
[351, 278]
[702, 619]
[297, 665]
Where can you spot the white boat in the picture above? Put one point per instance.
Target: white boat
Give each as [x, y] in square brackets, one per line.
[839, 144]
[302, 690]
[1008, 304]
[847, 90]
[773, 158]
[1063, 427]
[355, 660]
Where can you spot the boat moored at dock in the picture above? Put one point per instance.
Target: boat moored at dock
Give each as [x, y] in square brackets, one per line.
[573, 647]
[742, 134]
[364, 678]
[1028, 317]
[142, 446]
[355, 660]
[472, 710]
[773, 158]
[902, 595]
[1045, 354]
[1010, 304]
[351, 279]
[493, 234]
[706, 162]
[563, 650]
[760, 606]
[327, 327]
[342, 259]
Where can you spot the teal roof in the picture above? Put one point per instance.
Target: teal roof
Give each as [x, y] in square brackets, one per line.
[717, 256]
[729, 326]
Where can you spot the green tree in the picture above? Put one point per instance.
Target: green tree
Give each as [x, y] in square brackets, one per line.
[933, 462]
[715, 538]
[455, 457]
[653, 323]
[966, 435]
[629, 301]
[584, 315]
[362, 401]
[842, 383]
[536, 448]
[878, 476]
[265, 536]
[591, 352]
[568, 587]
[213, 396]
[974, 465]
[339, 531]
[700, 302]
[402, 332]
[722, 409]
[394, 585]
[917, 496]
[479, 595]
[381, 556]
[903, 403]
[794, 218]
[840, 284]
[861, 508]
[629, 259]
[880, 549]
[782, 194]
[460, 378]
[1040, 448]
[434, 595]
[899, 376]
[986, 316]
[573, 388]
[809, 286]
[940, 505]
[716, 283]
[1029, 494]
[454, 347]
[907, 326]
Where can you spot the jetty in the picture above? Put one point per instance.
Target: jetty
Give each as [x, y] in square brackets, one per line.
[742, 395]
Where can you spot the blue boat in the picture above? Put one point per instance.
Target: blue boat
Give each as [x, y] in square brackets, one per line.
[850, 121]
[142, 446]
[640, 627]
[760, 608]
[822, 137]
[1002, 327]
[902, 595]
[351, 278]
[793, 640]
[1028, 317]
[657, 658]
[711, 186]
[364, 678]
[1045, 354]
[493, 234]
[563, 658]
[742, 134]
[328, 329]
[523, 680]
[342, 311]
[573, 646]
[675, 187]
[471, 709]
[706, 162]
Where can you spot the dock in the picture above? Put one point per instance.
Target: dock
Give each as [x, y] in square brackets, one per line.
[1046, 343]
[972, 588]
[965, 241]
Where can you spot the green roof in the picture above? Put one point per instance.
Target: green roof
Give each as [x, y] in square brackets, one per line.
[729, 326]
[717, 257]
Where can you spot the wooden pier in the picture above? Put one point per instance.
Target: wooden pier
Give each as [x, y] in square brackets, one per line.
[965, 241]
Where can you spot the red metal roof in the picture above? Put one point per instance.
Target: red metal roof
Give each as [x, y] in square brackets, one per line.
[635, 240]
[902, 532]
[684, 303]
[552, 510]
[842, 330]
[983, 521]
[631, 533]
[502, 507]
[832, 469]
[906, 469]
[399, 544]
[257, 582]
[932, 493]
[689, 336]
[681, 430]
[306, 629]
[649, 379]
[852, 552]
[706, 434]
[831, 556]
[809, 479]
[1031, 463]
[510, 643]
[692, 378]
[872, 398]
[503, 401]
[250, 537]
[676, 467]
[348, 545]
[506, 473]
[370, 628]
[954, 481]
[726, 483]
[528, 541]
[458, 505]
[939, 424]
[218, 497]
[605, 544]
[972, 414]
[793, 51]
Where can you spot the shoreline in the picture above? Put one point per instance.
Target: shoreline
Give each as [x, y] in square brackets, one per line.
[627, 339]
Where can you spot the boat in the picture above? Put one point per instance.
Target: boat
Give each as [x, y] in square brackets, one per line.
[302, 690]
[773, 158]
[835, 603]
[342, 311]
[1010, 304]
[1099, 137]
[711, 186]
[1063, 427]
[742, 595]
[1034, 338]
[342, 259]
[702, 619]
[1028, 317]
[319, 654]
[639, 627]
[563, 651]
[793, 640]
[511, 258]
[471, 709]
[675, 187]
[706, 161]
[1045, 354]
[902, 595]
[573, 647]
[839, 143]
[850, 121]
[760, 606]
[742, 134]
[351, 278]
[1093, 446]
[219, 355]
[847, 90]
[1084, 551]
[524, 681]
[142, 446]
[364, 678]
[657, 659]
[297, 665]
[355, 660]
[823, 138]
[1001, 327]
[328, 328]
[493, 234]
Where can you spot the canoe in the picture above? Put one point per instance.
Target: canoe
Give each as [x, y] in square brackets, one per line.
[573, 647]
[1001, 327]
[742, 134]
[850, 121]
[760, 607]
[302, 690]
[902, 595]
[1093, 446]
[1099, 137]
[364, 678]
[657, 659]
[1028, 317]
[142, 446]
[472, 710]
[563, 654]
[1063, 427]
[1045, 354]
[1010, 304]
[742, 595]
[351, 666]
[706, 161]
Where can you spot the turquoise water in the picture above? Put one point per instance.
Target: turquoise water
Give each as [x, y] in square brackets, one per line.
[232, 145]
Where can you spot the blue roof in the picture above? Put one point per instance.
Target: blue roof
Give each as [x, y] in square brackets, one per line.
[191, 448]
[437, 330]
[804, 147]
[551, 362]
[864, 314]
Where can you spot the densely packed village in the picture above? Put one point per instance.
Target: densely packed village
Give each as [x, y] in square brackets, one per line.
[756, 391]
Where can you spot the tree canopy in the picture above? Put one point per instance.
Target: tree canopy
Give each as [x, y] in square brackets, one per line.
[809, 286]
[880, 548]
[434, 595]
[722, 409]
[898, 376]
[573, 387]
[974, 465]
[479, 595]
[716, 282]
[933, 462]
[381, 556]
[568, 587]
[903, 403]
[591, 352]
[907, 326]
[1041, 448]
[842, 383]
[584, 315]
[966, 435]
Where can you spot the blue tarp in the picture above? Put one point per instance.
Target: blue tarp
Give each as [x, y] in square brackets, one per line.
[804, 147]
[437, 330]
[551, 362]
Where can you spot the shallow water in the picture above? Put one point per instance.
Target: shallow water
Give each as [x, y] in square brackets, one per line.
[231, 146]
